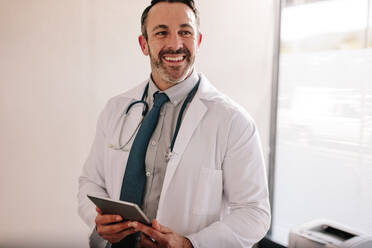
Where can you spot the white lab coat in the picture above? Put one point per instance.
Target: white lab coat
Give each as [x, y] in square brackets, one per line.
[215, 188]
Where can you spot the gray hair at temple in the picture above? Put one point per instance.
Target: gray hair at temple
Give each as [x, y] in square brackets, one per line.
[145, 13]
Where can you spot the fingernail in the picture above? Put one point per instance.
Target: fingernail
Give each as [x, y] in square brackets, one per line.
[118, 218]
[134, 224]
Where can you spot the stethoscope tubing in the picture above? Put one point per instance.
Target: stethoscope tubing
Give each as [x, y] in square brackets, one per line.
[144, 95]
[180, 115]
[144, 112]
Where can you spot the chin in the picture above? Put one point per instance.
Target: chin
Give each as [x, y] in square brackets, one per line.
[175, 79]
[178, 78]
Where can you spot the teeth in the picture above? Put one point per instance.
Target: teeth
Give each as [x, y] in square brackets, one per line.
[174, 59]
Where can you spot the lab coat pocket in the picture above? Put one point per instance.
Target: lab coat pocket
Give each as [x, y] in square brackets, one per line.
[208, 194]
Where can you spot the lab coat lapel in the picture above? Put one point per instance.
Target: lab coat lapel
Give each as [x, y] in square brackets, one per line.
[192, 118]
[190, 122]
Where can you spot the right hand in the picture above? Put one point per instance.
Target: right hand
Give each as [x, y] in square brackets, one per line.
[111, 227]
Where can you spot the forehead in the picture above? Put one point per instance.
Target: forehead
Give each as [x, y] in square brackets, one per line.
[170, 14]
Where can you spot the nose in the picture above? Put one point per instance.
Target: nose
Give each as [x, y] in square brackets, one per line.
[175, 42]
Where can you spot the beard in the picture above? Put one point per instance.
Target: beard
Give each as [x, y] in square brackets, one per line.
[173, 74]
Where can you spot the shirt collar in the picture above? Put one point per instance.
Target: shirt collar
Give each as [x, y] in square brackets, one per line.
[177, 92]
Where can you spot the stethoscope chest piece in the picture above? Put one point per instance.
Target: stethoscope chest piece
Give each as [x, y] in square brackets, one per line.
[169, 155]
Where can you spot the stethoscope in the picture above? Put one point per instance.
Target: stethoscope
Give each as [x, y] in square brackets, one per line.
[169, 154]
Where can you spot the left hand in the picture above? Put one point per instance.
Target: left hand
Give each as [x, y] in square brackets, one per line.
[163, 236]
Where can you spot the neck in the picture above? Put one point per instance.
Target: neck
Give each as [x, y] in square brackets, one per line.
[163, 84]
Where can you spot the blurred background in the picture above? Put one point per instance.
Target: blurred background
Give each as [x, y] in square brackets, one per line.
[302, 69]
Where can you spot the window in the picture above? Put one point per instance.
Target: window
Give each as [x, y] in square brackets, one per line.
[323, 164]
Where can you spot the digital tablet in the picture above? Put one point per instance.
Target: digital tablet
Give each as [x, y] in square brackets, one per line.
[127, 210]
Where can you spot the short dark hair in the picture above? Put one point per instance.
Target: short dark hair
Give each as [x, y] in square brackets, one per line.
[145, 13]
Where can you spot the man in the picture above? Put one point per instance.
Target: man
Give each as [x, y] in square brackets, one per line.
[198, 173]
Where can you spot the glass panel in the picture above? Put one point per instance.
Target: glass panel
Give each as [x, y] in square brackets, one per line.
[323, 26]
[324, 128]
[370, 24]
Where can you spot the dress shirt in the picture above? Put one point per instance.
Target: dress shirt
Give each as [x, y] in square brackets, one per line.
[157, 150]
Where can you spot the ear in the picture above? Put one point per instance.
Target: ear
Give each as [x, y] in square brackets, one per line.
[143, 44]
[200, 38]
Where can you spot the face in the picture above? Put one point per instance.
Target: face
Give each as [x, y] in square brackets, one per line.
[173, 41]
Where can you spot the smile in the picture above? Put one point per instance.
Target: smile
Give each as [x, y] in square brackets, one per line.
[174, 59]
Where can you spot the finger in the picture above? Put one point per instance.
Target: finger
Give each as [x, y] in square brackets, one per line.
[149, 231]
[108, 219]
[146, 242]
[114, 228]
[99, 211]
[157, 226]
[114, 240]
[119, 236]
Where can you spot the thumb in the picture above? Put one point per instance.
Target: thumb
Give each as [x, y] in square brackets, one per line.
[156, 225]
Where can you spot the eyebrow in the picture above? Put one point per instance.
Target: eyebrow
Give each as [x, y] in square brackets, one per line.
[185, 25]
[162, 26]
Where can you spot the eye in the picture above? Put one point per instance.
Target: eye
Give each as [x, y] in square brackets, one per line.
[161, 33]
[186, 33]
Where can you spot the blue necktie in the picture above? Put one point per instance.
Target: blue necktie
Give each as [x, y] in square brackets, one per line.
[134, 180]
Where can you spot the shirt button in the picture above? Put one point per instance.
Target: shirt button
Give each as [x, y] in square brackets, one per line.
[148, 174]
[153, 143]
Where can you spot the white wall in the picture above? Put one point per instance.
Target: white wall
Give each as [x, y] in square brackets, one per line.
[59, 63]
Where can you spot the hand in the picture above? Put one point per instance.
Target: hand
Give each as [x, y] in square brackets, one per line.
[159, 236]
[111, 228]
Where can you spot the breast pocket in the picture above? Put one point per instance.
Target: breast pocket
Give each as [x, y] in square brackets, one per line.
[208, 193]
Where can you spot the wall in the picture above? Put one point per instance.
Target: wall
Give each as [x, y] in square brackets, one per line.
[59, 63]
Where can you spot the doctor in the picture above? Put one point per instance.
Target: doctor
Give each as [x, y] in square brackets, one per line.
[194, 164]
